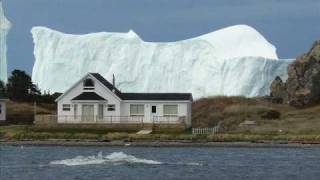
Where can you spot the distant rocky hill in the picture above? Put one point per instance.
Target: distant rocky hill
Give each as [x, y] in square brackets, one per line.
[302, 87]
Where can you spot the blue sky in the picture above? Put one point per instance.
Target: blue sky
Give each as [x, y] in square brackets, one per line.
[291, 25]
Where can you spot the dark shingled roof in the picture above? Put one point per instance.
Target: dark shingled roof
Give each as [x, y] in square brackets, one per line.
[88, 96]
[157, 96]
[143, 96]
[106, 83]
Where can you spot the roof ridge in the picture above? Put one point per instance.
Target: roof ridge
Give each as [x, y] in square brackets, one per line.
[107, 84]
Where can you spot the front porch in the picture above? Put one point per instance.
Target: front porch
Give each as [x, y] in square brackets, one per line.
[113, 123]
[119, 119]
[110, 119]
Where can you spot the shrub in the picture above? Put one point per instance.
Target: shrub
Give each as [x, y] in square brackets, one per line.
[271, 114]
[115, 136]
[141, 137]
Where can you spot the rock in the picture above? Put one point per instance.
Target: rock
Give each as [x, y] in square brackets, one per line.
[302, 87]
[278, 91]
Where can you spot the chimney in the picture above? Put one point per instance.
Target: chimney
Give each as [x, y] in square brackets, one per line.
[113, 83]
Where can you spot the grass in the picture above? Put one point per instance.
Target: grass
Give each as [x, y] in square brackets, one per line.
[293, 125]
[232, 111]
[23, 112]
[13, 133]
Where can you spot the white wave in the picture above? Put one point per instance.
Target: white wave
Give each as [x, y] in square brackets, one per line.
[115, 158]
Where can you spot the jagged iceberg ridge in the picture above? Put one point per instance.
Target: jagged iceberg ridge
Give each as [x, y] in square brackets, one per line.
[236, 60]
[5, 26]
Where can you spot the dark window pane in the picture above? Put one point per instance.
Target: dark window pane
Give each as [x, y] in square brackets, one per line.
[154, 109]
[88, 83]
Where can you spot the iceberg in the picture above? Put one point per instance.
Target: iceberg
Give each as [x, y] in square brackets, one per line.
[236, 60]
[5, 26]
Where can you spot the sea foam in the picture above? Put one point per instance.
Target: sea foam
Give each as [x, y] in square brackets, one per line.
[115, 158]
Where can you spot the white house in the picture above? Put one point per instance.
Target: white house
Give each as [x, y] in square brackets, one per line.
[94, 100]
[3, 108]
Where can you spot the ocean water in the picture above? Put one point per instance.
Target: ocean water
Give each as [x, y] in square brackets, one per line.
[146, 163]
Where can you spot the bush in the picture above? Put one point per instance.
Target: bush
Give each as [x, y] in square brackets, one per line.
[140, 137]
[115, 136]
[240, 109]
[271, 114]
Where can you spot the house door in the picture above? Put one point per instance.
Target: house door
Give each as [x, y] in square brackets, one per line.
[88, 112]
[154, 110]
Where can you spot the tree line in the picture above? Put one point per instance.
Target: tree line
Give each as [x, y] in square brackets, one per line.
[21, 88]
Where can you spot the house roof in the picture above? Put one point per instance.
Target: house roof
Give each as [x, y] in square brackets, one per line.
[89, 96]
[157, 96]
[143, 96]
[107, 84]
[129, 96]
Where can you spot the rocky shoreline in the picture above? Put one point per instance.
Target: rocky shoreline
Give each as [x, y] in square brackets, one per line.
[260, 144]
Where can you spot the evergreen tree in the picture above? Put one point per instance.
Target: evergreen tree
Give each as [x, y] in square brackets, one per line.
[20, 87]
[3, 88]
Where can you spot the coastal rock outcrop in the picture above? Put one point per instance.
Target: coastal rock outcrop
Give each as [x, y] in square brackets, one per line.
[303, 84]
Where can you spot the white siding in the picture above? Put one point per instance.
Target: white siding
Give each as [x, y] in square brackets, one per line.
[100, 89]
[184, 109]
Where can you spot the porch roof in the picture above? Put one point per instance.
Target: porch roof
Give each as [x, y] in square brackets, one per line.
[88, 96]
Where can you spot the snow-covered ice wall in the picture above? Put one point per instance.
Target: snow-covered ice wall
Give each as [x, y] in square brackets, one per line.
[5, 26]
[236, 60]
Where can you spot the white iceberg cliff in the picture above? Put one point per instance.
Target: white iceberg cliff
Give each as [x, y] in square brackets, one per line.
[5, 26]
[236, 60]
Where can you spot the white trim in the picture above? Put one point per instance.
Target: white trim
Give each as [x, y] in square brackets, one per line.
[73, 86]
[113, 94]
[81, 80]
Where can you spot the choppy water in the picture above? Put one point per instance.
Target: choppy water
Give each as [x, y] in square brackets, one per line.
[67, 163]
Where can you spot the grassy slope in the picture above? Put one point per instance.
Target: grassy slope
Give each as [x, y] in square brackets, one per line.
[23, 112]
[234, 110]
[294, 125]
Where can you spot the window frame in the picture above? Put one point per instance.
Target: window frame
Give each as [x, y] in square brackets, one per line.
[170, 114]
[137, 106]
[154, 111]
[111, 107]
[64, 108]
[88, 87]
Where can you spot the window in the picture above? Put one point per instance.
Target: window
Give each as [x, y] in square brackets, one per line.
[88, 84]
[111, 107]
[170, 110]
[66, 107]
[0, 108]
[136, 109]
[154, 109]
[100, 111]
